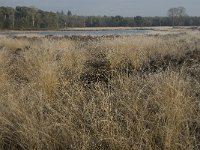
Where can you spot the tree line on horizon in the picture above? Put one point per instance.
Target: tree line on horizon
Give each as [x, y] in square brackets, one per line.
[33, 19]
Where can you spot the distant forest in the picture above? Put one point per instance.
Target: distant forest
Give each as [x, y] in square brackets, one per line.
[30, 18]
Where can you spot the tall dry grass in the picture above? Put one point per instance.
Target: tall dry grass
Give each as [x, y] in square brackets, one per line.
[56, 94]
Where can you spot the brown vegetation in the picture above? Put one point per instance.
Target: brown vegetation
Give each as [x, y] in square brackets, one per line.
[140, 92]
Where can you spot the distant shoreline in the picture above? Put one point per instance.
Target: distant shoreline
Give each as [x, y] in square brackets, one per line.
[156, 28]
[164, 30]
[91, 29]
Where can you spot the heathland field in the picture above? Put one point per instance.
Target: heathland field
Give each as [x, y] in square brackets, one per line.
[90, 93]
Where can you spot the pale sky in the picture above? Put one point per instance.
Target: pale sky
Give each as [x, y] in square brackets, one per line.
[110, 7]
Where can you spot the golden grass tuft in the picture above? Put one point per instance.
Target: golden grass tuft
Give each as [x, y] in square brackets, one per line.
[135, 50]
[11, 43]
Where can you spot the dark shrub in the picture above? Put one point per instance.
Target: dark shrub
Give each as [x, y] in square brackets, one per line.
[97, 69]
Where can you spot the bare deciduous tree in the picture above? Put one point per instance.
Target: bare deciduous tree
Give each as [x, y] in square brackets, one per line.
[176, 14]
[33, 13]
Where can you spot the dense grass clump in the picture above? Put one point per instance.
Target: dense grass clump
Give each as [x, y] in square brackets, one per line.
[139, 92]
